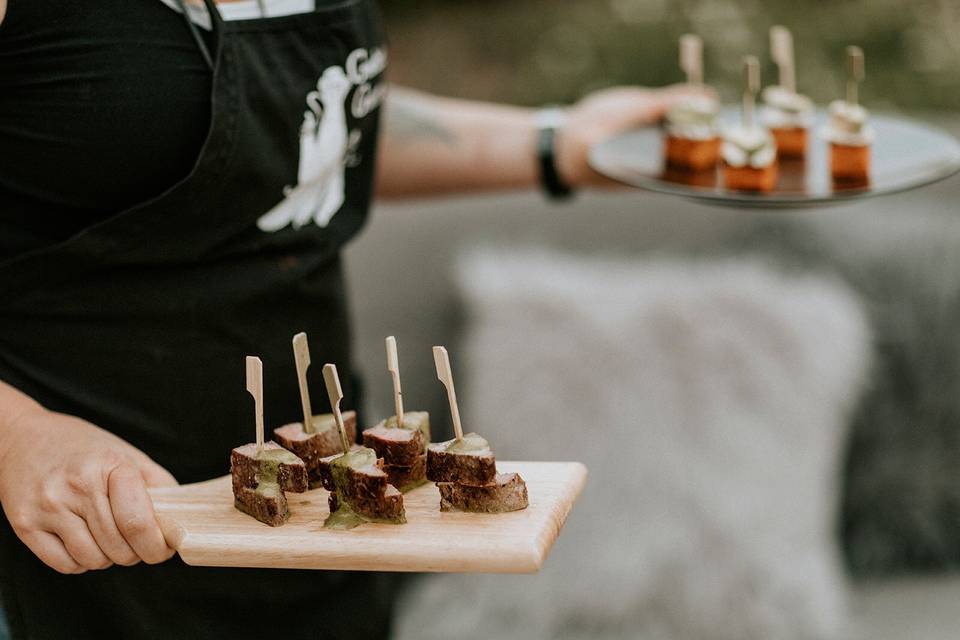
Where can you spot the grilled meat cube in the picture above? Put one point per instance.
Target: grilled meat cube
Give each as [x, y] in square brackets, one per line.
[323, 442]
[468, 461]
[508, 492]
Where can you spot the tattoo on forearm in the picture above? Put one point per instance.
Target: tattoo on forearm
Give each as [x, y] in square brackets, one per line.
[408, 118]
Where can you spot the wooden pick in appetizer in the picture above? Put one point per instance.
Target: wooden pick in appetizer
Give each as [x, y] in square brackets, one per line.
[336, 395]
[749, 151]
[751, 87]
[464, 468]
[301, 356]
[261, 472]
[401, 440]
[781, 50]
[393, 366]
[692, 143]
[442, 361]
[316, 437]
[855, 73]
[848, 131]
[691, 58]
[255, 388]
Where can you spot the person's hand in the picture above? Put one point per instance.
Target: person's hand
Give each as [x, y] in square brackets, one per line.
[76, 495]
[604, 114]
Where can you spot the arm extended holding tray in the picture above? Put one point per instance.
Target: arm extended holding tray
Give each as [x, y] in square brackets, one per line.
[434, 145]
[80, 498]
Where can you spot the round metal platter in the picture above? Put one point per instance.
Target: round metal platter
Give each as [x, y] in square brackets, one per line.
[906, 154]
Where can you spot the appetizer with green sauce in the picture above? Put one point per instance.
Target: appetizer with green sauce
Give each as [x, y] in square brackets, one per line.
[260, 478]
[319, 441]
[359, 490]
[317, 436]
[402, 439]
[358, 486]
[262, 471]
[465, 469]
[403, 448]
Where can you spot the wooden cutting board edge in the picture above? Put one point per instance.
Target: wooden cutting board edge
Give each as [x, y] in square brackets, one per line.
[547, 539]
[519, 561]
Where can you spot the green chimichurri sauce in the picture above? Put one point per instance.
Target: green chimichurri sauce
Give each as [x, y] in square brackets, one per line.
[345, 517]
[268, 472]
[471, 443]
[321, 423]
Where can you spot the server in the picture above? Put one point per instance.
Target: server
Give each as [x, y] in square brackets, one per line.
[176, 185]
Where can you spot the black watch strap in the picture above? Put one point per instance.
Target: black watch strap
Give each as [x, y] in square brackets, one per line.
[548, 122]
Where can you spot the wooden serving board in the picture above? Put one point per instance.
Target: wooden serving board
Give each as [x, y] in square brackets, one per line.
[200, 522]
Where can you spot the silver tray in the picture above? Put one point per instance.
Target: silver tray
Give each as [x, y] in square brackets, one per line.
[906, 154]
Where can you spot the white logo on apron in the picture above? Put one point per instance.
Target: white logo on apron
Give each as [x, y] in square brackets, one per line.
[325, 143]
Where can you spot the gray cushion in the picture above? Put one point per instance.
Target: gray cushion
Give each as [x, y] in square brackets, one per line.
[709, 402]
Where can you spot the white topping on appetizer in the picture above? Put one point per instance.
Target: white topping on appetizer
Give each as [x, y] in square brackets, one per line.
[849, 124]
[753, 146]
[694, 118]
[784, 108]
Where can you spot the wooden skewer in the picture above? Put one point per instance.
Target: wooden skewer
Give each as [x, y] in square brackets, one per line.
[442, 361]
[336, 395]
[781, 50]
[255, 387]
[393, 366]
[691, 58]
[301, 355]
[855, 73]
[751, 87]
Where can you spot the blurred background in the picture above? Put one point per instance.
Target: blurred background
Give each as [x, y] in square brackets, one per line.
[772, 396]
[537, 51]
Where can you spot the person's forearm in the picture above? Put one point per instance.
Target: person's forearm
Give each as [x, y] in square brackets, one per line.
[433, 145]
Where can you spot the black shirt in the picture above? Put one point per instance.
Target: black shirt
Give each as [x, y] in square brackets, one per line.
[103, 104]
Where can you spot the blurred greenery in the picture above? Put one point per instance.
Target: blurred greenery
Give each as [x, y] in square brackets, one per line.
[538, 51]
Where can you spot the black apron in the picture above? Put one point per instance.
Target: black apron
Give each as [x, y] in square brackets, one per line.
[140, 324]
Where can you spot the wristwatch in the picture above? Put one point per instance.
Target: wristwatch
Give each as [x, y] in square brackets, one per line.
[548, 121]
